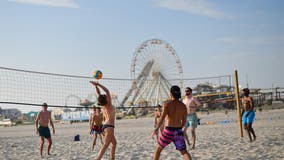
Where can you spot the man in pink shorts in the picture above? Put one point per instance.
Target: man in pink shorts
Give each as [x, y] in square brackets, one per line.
[175, 113]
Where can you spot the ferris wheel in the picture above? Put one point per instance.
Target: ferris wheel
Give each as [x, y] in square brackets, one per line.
[164, 58]
[155, 64]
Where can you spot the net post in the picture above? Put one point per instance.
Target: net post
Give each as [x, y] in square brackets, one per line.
[237, 98]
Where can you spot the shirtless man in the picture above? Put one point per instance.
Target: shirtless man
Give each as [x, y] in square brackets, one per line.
[175, 113]
[96, 123]
[104, 100]
[158, 113]
[43, 118]
[248, 113]
[191, 120]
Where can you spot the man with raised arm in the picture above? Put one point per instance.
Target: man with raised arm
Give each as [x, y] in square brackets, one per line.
[43, 118]
[104, 100]
[174, 112]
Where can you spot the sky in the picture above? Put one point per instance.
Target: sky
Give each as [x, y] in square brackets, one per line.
[211, 38]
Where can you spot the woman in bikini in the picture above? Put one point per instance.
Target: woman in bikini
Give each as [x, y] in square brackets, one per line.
[104, 100]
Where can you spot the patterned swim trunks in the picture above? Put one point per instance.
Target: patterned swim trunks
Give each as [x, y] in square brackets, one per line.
[172, 134]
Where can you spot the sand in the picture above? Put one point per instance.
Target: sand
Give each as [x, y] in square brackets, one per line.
[217, 140]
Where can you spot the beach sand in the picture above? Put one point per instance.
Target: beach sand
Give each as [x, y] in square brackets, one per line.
[217, 140]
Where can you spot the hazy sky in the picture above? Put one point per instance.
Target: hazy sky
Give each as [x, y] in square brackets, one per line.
[210, 37]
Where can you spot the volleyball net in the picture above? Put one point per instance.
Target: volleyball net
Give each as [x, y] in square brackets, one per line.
[22, 87]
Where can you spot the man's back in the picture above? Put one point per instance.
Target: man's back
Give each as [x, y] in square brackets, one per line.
[176, 113]
[109, 114]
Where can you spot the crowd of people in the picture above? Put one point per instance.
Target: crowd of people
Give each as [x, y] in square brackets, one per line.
[171, 122]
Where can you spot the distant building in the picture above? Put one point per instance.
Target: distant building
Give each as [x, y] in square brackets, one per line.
[224, 88]
[204, 88]
[13, 114]
[31, 116]
[56, 113]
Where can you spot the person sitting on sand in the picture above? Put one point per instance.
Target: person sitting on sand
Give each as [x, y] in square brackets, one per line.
[43, 118]
[104, 100]
[248, 113]
[175, 113]
[96, 124]
[157, 114]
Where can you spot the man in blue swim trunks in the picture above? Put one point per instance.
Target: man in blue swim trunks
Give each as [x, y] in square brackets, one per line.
[191, 120]
[248, 113]
[174, 112]
[43, 118]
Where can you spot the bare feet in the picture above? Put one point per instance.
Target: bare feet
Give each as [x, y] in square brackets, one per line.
[93, 147]
[188, 143]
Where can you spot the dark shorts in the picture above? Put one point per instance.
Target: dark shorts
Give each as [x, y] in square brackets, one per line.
[97, 129]
[172, 134]
[44, 132]
[107, 126]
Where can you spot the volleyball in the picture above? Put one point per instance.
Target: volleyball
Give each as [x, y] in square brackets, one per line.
[98, 74]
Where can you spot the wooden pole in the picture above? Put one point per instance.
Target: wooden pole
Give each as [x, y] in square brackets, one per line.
[237, 98]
